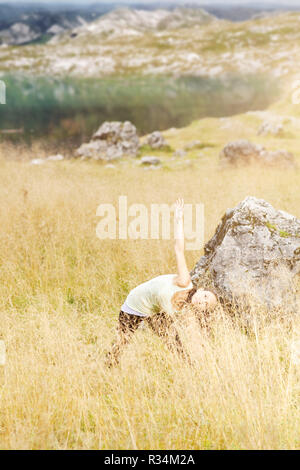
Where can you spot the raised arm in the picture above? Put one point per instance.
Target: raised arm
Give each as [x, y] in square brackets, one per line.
[183, 277]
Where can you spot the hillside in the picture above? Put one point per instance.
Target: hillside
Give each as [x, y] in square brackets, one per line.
[26, 23]
[29, 23]
[128, 42]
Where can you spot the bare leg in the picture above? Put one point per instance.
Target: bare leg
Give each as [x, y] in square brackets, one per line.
[128, 324]
[163, 325]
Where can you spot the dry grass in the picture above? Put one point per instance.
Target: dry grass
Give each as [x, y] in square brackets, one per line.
[60, 293]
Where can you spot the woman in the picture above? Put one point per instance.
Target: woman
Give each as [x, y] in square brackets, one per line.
[156, 301]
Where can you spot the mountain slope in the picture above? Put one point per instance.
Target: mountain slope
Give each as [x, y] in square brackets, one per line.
[182, 42]
[126, 20]
[24, 23]
[33, 27]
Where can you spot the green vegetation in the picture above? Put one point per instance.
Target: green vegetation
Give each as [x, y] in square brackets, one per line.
[271, 227]
[284, 234]
[146, 150]
[281, 233]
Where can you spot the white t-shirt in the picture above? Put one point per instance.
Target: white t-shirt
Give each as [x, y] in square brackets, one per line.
[154, 296]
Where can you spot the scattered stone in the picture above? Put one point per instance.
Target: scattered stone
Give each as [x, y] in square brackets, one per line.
[245, 152]
[172, 130]
[150, 160]
[192, 145]
[110, 165]
[271, 128]
[225, 123]
[278, 157]
[37, 161]
[112, 141]
[179, 153]
[240, 151]
[56, 158]
[254, 251]
[156, 140]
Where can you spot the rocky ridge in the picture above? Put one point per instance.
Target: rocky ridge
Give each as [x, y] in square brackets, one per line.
[179, 43]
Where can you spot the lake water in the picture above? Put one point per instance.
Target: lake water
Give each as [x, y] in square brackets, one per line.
[69, 110]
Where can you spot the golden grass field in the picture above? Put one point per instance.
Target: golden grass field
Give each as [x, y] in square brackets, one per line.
[60, 294]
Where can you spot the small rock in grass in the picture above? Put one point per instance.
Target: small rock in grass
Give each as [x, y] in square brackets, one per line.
[271, 128]
[245, 152]
[192, 145]
[156, 140]
[150, 160]
[37, 161]
[179, 153]
[56, 158]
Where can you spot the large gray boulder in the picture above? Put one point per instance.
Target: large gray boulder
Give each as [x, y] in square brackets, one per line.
[255, 252]
[112, 140]
[245, 152]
